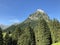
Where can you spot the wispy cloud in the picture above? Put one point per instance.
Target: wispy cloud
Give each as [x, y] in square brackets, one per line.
[14, 21]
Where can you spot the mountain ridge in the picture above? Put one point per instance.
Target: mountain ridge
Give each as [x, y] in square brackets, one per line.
[33, 19]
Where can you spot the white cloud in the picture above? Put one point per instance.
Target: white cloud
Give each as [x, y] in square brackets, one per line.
[14, 21]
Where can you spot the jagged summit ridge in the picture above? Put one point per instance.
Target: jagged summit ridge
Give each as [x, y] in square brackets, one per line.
[39, 14]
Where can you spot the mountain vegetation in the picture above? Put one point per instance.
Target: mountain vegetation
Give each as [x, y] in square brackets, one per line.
[37, 29]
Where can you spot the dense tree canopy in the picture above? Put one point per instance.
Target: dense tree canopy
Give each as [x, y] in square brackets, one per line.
[1, 37]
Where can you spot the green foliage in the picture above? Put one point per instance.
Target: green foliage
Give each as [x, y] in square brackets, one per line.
[55, 30]
[58, 43]
[42, 33]
[11, 28]
[1, 37]
[28, 37]
[16, 33]
[7, 39]
[24, 38]
[32, 35]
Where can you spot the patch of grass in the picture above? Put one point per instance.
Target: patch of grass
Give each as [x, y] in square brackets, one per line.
[4, 34]
[58, 43]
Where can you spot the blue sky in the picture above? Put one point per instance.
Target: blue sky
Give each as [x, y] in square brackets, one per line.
[12, 11]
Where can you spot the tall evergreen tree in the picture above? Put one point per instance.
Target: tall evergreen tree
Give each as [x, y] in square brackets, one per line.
[32, 36]
[55, 30]
[14, 42]
[24, 39]
[7, 39]
[1, 37]
[16, 33]
[28, 37]
[42, 33]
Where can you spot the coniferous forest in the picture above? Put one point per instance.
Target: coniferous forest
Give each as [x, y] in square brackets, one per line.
[37, 29]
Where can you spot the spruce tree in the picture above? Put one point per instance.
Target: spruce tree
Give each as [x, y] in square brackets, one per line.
[16, 33]
[55, 30]
[32, 35]
[24, 39]
[1, 37]
[7, 39]
[42, 33]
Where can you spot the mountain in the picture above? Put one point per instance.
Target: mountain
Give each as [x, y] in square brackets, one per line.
[37, 29]
[10, 28]
[35, 17]
[3, 26]
[39, 14]
[32, 19]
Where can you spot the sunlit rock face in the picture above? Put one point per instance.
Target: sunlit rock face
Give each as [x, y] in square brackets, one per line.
[39, 14]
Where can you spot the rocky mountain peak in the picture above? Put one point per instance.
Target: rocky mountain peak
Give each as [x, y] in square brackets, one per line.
[39, 14]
